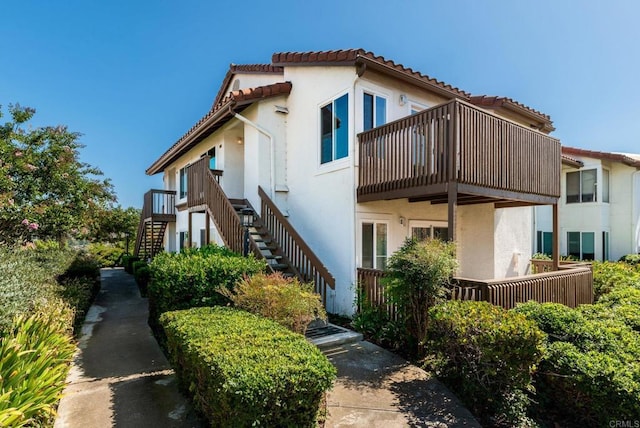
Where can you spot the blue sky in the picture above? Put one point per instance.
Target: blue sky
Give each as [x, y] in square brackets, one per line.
[133, 76]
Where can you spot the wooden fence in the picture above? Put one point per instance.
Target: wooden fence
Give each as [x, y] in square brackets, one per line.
[571, 286]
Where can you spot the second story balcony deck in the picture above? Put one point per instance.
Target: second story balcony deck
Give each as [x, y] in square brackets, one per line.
[484, 157]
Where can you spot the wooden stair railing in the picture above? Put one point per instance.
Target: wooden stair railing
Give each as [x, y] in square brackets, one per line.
[296, 250]
[204, 192]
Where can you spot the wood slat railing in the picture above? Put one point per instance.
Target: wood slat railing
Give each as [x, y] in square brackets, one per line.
[571, 286]
[158, 205]
[541, 266]
[204, 191]
[460, 142]
[294, 248]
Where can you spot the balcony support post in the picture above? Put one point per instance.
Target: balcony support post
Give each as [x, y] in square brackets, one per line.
[207, 229]
[452, 209]
[189, 230]
[555, 251]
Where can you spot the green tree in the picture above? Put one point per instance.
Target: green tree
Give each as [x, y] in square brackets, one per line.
[112, 224]
[45, 190]
[416, 278]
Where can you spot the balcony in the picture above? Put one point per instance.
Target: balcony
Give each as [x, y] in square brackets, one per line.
[159, 205]
[457, 148]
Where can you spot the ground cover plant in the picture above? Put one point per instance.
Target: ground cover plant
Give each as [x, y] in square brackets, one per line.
[245, 370]
[44, 295]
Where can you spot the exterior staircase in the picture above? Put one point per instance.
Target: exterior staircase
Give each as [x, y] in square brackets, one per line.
[158, 211]
[270, 235]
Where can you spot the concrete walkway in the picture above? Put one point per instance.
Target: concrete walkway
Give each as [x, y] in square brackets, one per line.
[121, 378]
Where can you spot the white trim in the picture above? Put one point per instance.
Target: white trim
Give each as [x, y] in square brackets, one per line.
[371, 219]
[329, 166]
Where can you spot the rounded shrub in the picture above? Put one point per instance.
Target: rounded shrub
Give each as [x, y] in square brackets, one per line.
[487, 355]
[244, 370]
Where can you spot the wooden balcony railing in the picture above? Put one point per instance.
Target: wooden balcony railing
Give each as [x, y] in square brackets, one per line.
[204, 192]
[541, 266]
[159, 203]
[571, 286]
[294, 248]
[458, 142]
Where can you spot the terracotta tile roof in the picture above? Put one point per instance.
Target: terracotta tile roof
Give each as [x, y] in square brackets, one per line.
[361, 56]
[626, 159]
[513, 105]
[568, 160]
[244, 69]
[216, 117]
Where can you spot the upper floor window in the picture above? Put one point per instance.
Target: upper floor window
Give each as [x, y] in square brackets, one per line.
[334, 130]
[183, 182]
[375, 111]
[581, 186]
[212, 160]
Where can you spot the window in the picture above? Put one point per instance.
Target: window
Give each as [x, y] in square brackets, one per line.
[544, 242]
[212, 160]
[581, 186]
[375, 111]
[374, 245]
[203, 237]
[605, 246]
[184, 240]
[183, 182]
[334, 129]
[581, 245]
[421, 233]
[605, 186]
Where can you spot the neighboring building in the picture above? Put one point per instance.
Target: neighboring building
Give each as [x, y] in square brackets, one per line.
[599, 206]
[343, 155]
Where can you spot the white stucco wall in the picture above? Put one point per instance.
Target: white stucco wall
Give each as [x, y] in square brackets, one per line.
[513, 241]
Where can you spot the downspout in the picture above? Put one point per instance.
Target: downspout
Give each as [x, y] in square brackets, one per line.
[272, 156]
[635, 208]
[360, 69]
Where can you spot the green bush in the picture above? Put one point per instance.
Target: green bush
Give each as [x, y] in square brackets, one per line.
[284, 300]
[106, 255]
[417, 277]
[591, 373]
[487, 356]
[609, 275]
[244, 370]
[34, 361]
[631, 259]
[142, 276]
[622, 304]
[127, 262]
[194, 278]
[375, 325]
[588, 388]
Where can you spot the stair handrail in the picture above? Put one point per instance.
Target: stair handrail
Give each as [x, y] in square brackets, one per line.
[209, 193]
[295, 248]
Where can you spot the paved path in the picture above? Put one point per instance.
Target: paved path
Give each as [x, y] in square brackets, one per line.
[376, 388]
[120, 377]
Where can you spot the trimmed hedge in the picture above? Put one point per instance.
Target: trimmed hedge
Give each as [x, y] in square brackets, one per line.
[244, 370]
[127, 262]
[193, 278]
[487, 355]
[608, 276]
[142, 275]
[591, 373]
[106, 255]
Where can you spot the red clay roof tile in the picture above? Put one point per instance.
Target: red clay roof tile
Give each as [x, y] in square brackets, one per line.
[615, 157]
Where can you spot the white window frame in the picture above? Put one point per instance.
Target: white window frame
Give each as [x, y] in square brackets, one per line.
[343, 162]
[375, 94]
[582, 233]
[596, 190]
[425, 224]
[186, 189]
[359, 237]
